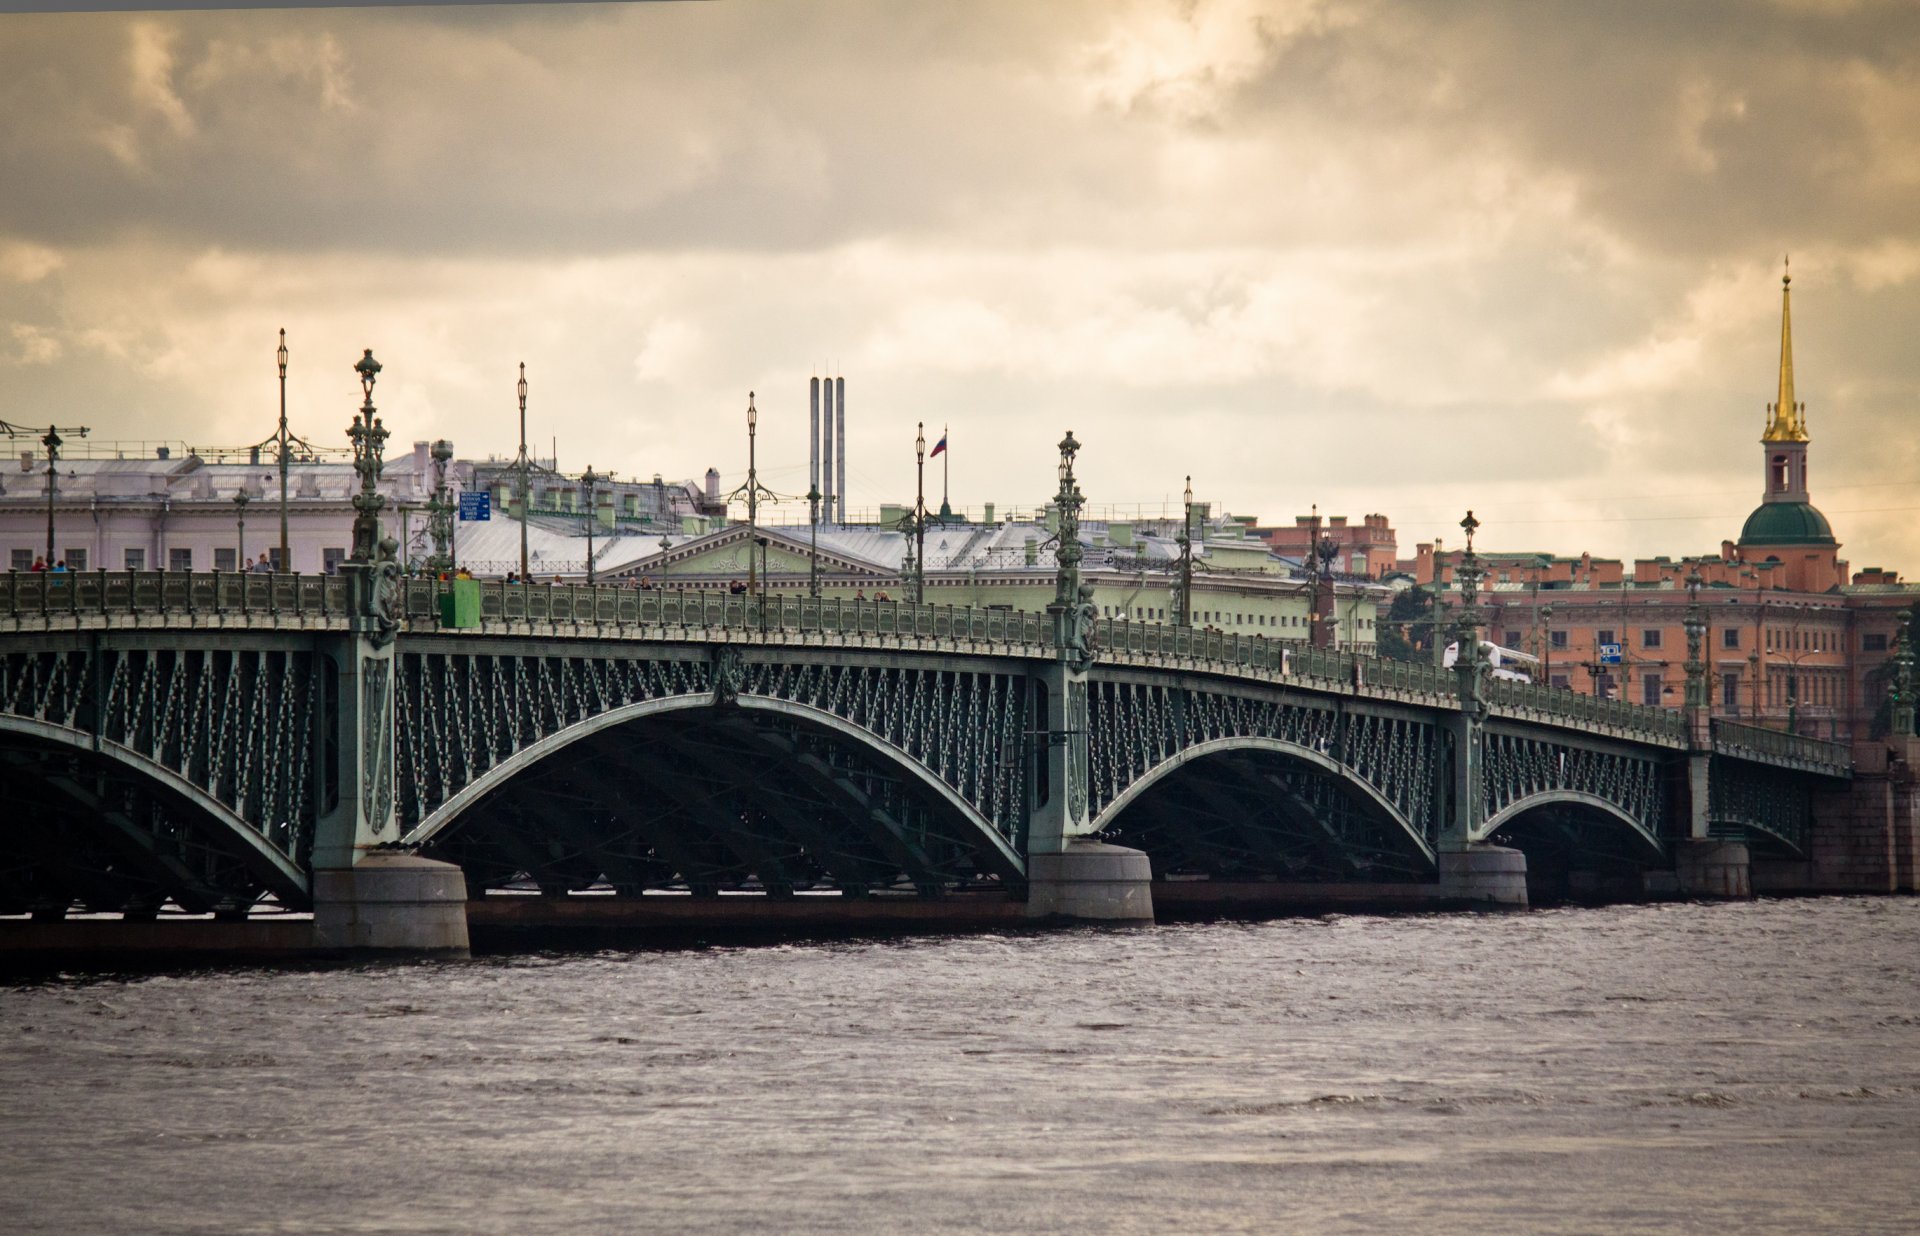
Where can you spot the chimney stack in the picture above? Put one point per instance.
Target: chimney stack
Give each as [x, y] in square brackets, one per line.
[840, 445]
[826, 451]
[813, 441]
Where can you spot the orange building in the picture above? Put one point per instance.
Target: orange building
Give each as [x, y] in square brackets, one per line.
[1792, 640]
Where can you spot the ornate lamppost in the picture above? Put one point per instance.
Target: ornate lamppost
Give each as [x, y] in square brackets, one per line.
[591, 480]
[813, 544]
[919, 564]
[240, 499]
[1072, 612]
[753, 490]
[1902, 686]
[440, 511]
[1546, 644]
[369, 439]
[521, 465]
[1695, 625]
[1468, 657]
[280, 438]
[1184, 615]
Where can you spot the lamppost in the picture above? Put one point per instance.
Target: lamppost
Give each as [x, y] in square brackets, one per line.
[1902, 685]
[1184, 616]
[440, 511]
[369, 438]
[813, 544]
[1695, 625]
[520, 467]
[1073, 635]
[920, 515]
[1467, 623]
[753, 489]
[591, 479]
[286, 556]
[240, 500]
[1546, 644]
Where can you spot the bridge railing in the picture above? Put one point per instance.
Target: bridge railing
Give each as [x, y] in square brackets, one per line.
[1553, 702]
[40, 599]
[1743, 741]
[601, 606]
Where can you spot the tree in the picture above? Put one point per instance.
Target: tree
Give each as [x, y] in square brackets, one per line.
[1408, 626]
[1880, 678]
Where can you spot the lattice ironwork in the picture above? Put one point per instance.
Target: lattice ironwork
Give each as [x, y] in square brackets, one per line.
[1522, 766]
[1752, 802]
[460, 714]
[234, 724]
[1136, 726]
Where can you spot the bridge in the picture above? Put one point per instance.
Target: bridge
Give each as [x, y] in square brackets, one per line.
[375, 749]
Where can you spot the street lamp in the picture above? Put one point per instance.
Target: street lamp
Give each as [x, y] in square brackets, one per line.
[520, 466]
[440, 510]
[240, 500]
[1695, 625]
[590, 479]
[920, 515]
[1546, 644]
[1184, 617]
[753, 487]
[286, 556]
[369, 438]
[813, 545]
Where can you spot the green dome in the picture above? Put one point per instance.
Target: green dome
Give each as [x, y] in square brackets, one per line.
[1787, 523]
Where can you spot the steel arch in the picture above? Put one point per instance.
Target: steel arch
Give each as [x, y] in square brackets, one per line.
[270, 859]
[444, 814]
[1575, 798]
[1271, 746]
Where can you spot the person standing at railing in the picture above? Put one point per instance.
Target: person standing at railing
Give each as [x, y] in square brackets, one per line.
[39, 564]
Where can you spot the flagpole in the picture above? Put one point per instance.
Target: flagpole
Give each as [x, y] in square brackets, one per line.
[946, 456]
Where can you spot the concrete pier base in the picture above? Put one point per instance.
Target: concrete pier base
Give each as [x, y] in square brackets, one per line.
[1709, 868]
[391, 902]
[1090, 881]
[1484, 876]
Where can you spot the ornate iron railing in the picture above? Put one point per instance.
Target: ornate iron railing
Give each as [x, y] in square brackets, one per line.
[45, 600]
[38, 601]
[1753, 742]
[1534, 702]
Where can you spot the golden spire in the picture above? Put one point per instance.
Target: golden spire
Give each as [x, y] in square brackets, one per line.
[1787, 419]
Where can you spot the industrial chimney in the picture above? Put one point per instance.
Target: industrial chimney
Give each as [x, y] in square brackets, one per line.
[840, 445]
[826, 451]
[813, 444]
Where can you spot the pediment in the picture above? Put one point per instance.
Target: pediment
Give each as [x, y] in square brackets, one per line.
[724, 553]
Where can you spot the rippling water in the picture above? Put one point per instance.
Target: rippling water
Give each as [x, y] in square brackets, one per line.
[1751, 1067]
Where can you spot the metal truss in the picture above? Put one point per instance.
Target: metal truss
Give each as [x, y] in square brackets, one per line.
[1518, 767]
[1765, 806]
[1138, 726]
[165, 752]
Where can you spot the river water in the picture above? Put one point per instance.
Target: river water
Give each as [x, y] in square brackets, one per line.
[1741, 1067]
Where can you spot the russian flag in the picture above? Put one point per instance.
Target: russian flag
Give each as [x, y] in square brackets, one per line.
[939, 446]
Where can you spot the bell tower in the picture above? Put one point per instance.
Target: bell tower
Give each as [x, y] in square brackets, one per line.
[1785, 438]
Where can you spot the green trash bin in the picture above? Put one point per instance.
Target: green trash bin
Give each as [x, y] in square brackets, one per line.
[460, 604]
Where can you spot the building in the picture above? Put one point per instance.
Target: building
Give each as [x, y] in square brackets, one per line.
[178, 508]
[1367, 549]
[1794, 639]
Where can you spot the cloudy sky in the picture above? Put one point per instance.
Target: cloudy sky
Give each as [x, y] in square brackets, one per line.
[1380, 256]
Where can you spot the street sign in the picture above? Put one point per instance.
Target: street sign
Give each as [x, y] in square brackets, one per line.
[1609, 654]
[476, 505]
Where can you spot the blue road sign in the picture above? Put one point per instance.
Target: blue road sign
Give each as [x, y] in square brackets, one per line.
[476, 505]
[1609, 654]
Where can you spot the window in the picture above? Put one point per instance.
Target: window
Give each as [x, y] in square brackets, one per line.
[76, 559]
[1512, 639]
[1603, 636]
[330, 560]
[1557, 639]
[23, 561]
[180, 560]
[136, 559]
[1730, 637]
[1650, 690]
[223, 559]
[1730, 692]
[1872, 641]
[1562, 682]
[1603, 686]
[1650, 638]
